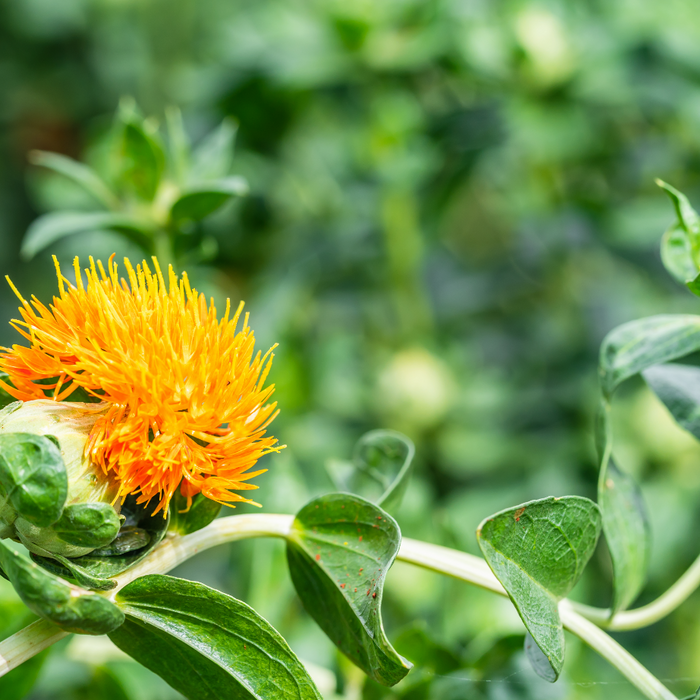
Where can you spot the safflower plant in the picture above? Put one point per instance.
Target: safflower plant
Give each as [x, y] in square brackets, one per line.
[132, 411]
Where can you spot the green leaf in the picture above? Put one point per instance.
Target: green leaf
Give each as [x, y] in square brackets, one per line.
[197, 202]
[626, 351]
[680, 246]
[67, 606]
[635, 346]
[538, 661]
[49, 228]
[129, 539]
[213, 156]
[79, 173]
[129, 548]
[676, 254]
[339, 552]
[141, 156]
[206, 644]
[678, 387]
[627, 533]
[538, 552]
[33, 476]
[88, 524]
[65, 568]
[201, 512]
[380, 467]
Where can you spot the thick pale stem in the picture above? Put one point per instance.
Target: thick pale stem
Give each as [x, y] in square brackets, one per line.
[175, 549]
[15, 650]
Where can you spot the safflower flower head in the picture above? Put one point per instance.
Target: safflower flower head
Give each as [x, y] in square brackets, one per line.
[181, 392]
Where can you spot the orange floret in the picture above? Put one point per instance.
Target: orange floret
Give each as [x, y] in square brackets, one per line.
[183, 394]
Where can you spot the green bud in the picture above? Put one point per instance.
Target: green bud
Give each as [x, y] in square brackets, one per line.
[86, 519]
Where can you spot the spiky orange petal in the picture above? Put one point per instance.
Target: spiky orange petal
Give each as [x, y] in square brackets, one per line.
[184, 401]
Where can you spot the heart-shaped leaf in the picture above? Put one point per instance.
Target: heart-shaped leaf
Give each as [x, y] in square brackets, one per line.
[207, 645]
[339, 551]
[538, 551]
[380, 468]
[71, 608]
[33, 476]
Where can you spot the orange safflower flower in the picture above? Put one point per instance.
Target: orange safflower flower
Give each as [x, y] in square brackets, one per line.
[183, 397]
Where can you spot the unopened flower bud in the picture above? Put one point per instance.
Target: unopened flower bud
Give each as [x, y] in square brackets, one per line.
[69, 425]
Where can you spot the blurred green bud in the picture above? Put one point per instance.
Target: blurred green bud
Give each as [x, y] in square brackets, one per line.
[415, 390]
[53, 498]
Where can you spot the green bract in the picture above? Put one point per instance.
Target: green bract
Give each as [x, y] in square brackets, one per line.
[54, 499]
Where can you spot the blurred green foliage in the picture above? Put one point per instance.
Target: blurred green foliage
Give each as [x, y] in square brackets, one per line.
[451, 202]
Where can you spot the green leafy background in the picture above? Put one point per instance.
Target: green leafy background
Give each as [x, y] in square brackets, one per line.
[451, 203]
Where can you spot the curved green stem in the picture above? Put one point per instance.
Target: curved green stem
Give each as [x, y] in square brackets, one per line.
[648, 614]
[471, 569]
[176, 549]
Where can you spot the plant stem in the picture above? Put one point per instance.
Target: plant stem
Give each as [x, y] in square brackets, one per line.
[615, 654]
[648, 614]
[176, 549]
[28, 642]
[471, 569]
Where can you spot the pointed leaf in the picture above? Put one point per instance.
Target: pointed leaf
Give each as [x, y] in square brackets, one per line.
[201, 512]
[380, 467]
[207, 645]
[680, 246]
[79, 173]
[141, 157]
[626, 351]
[33, 476]
[48, 596]
[65, 568]
[197, 202]
[49, 228]
[676, 254]
[538, 552]
[635, 346]
[213, 156]
[339, 552]
[627, 533]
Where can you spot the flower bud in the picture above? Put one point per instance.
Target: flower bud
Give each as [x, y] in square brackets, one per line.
[69, 424]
